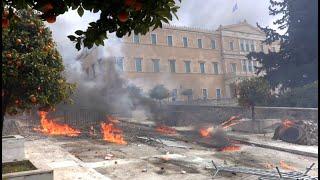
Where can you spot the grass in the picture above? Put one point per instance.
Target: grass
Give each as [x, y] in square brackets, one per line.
[18, 166]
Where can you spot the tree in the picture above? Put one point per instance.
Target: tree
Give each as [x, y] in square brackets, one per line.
[188, 93]
[159, 92]
[296, 63]
[252, 92]
[31, 66]
[119, 16]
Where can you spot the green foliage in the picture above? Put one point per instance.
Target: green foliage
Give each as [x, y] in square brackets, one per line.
[159, 92]
[306, 96]
[31, 66]
[252, 92]
[139, 16]
[296, 63]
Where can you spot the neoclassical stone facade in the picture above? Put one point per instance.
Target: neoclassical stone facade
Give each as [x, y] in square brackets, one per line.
[208, 62]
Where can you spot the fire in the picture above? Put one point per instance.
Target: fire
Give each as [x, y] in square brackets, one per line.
[206, 132]
[52, 128]
[230, 148]
[287, 123]
[165, 129]
[286, 166]
[112, 134]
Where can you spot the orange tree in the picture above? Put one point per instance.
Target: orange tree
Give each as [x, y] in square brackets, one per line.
[116, 16]
[31, 66]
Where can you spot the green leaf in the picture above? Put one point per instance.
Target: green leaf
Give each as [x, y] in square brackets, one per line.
[80, 11]
[78, 46]
[78, 32]
[71, 37]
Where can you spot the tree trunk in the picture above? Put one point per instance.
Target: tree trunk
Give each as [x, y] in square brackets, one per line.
[252, 113]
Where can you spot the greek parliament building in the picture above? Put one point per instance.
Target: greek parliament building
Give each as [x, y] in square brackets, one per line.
[209, 62]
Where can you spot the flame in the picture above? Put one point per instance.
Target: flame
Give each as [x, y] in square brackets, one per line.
[112, 119]
[206, 132]
[111, 133]
[286, 166]
[165, 129]
[230, 148]
[287, 123]
[52, 128]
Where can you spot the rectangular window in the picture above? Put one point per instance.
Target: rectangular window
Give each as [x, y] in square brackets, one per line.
[242, 45]
[185, 42]
[169, 40]
[213, 44]
[247, 46]
[187, 65]
[244, 65]
[138, 62]
[153, 39]
[233, 67]
[172, 66]
[261, 47]
[252, 46]
[204, 93]
[136, 39]
[215, 68]
[218, 93]
[156, 65]
[250, 66]
[199, 43]
[119, 64]
[202, 68]
[231, 45]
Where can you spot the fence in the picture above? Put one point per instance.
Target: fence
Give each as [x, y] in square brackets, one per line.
[211, 102]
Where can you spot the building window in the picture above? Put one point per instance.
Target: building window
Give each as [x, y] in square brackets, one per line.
[242, 45]
[218, 93]
[169, 40]
[261, 47]
[204, 94]
[153, 39]
[138, 64]
[252, 46]
[93, 71]
[185, 42]
[250, 66]
[156, 65]
[247, 46]
[233, 67]
[172, 66]
[231, 45]
[202, 68]
[273, 49]
[136, 39]
[213, 44]
[199, 43]
[119, 64]
[187, 65]
[215, 68]
[244, 65]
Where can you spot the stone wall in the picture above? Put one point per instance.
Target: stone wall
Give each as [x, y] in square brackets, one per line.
[180, 115]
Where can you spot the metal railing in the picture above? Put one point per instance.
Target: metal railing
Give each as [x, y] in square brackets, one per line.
[212, 102]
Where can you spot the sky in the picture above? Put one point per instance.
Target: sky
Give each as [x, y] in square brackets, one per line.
[208, 14]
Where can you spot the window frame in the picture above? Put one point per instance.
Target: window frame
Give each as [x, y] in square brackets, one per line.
[213, 45]
[213, 65]
[153, 65]
[135, 64]
[171, 40]
[187, 42]
[185, 66]
[174, 63]
[156, 40]
[133, 38]
[204, 67]
[200, 46]
[220, 94]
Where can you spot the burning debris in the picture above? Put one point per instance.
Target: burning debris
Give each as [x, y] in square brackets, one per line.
[298, 132]
[50, 127]
[110, 133]
[165, 129]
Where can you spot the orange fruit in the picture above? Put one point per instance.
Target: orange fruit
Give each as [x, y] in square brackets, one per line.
[123, 16]
[18, 41]
[51, 19]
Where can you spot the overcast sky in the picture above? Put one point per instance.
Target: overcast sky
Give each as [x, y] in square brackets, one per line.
[195, 13]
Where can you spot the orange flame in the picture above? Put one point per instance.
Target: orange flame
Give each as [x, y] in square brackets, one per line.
[286, 166]
[52, 128]
[206, 132]
[287, 123]
[112, 134]
[165, 129]
[230, 148]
